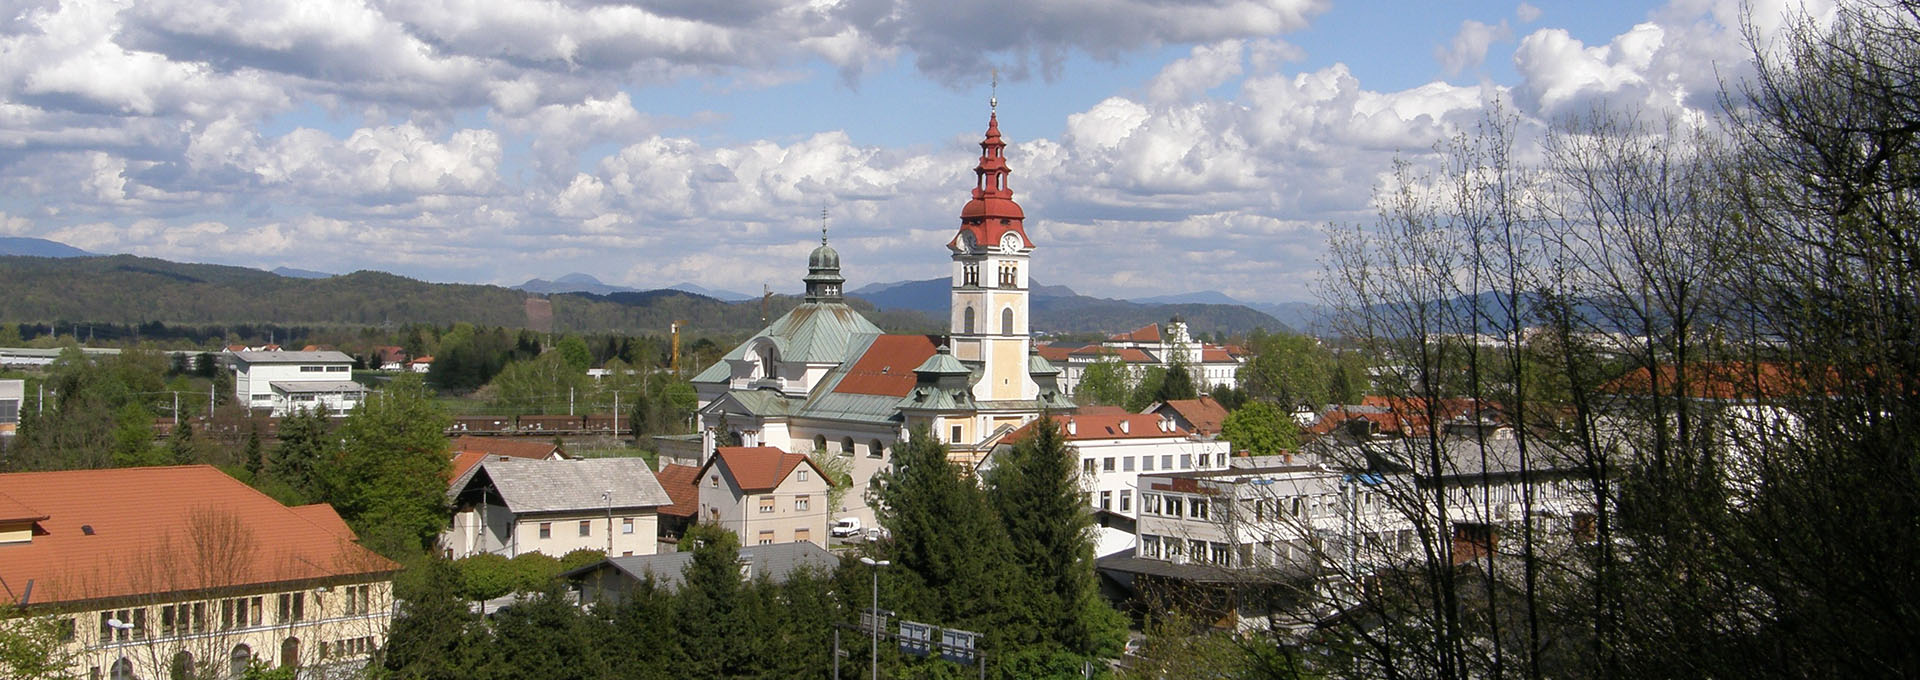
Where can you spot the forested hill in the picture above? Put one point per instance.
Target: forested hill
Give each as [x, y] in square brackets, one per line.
[131, 290]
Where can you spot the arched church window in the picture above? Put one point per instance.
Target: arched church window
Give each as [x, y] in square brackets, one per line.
[875, 449]
[966, 325]
[1006, 321]
[820, 443]
[846, 446]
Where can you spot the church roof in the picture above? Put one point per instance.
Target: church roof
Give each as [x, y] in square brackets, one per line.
[814, 333]
[887, 366]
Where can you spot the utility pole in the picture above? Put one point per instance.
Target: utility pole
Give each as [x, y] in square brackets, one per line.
[569, 401]
[616, 413]
[176, 408]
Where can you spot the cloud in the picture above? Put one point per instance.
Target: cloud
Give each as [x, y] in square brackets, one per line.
[1468, 49]
[1526, 13]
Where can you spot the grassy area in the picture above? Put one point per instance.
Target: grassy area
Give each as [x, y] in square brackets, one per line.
[653, 459]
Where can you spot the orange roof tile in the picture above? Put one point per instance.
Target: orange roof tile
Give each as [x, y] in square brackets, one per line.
[759, 469]
[12, 511]
[1054, 352]
[464, 461]
[322, 515]
[517, 447]
[1204, 414]
[682, 483]
[1215, 355]
[1717, 380]
[886, 368]
[1147, 333]
[1105, 426]
[133, 531]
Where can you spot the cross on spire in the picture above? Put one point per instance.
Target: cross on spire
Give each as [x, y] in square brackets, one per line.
[993, 98]
[823, 225]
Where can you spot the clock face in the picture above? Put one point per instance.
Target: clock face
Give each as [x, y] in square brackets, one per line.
[1010, 242]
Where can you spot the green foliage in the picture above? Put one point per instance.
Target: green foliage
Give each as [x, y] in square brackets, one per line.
[388, 478]
[306, 446]
[839, 470]
[30, 648]
[1034, 488]
[1261, 429]
[133, 438]
[710, 608]
[948, 546]
[1288, 369]
[544, 384]
[1178, 384]
[181, 449]
[1147, 390]
[573, 350]
[486, 576]
[580, 557]
[543, 637]
[252, 453]
[87, 403]
[534, 571]
[435, 636]
[1104, 383]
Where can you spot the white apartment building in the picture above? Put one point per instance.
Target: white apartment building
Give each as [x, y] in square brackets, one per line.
[13, 393]
[1116, 447]
[286, 382]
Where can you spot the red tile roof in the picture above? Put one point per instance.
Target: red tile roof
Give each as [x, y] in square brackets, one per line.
[464, 461]
[322, 515]
[12, 511]
[1127, 354]
[1215, 355]
[1204, 414]
[133, 531]
[1054, 352]
[1718, 380]
[1147, 333]
[682, 483]
[886, 368]
[517, 447]
[1102, 410]
[1105, 426]
[760, 469]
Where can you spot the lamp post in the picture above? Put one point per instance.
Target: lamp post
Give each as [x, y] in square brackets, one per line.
[875, 612]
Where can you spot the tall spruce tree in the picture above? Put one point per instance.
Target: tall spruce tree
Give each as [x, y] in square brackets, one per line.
[435, 635]
[947, 540]
[709, 608]
[1035, 489]
[304, 443]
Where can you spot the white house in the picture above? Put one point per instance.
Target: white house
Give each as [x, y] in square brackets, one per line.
[509, 506]
[287, 382]
[1150, 346]
[12, 394]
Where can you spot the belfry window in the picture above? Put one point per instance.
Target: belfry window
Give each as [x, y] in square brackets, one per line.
[1009, 274]
[1006, 321]
[971, 274]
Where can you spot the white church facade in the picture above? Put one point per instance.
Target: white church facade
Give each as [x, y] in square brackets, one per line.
[822, 380]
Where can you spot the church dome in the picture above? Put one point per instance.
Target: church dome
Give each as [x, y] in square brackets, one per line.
[823, 257]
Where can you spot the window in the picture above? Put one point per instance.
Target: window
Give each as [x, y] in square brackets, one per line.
[586, 527]
[820, 443]
[1197, 549]
[713, 481]
[546, 530]
[1221, 555]
[766, 504]
[1107, 464]
[312, 369]
[966, 321]
[1126, 464]
[626, 524]
[1172, 546]
[1166, 462]
[1173, 506]
[241, 612]
[1146, 463]
[1149, 546]
[1106, 500]
[1126, 500]
[293, 607]
[1087, 465]
[875, 449]
[64, 629]
[971, 274]
[1006, 321]
[1150, 503]
[339, 369]
[801, 474]
[1197, 509]
[846, 446]
[1186, 461]
[802, 534]
[800, 503]
[955, 439]
[359, 599]
[766, 537]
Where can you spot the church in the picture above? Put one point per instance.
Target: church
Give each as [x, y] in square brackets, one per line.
[824, 381]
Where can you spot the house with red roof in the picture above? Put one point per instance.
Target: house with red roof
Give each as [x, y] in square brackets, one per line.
[185, 572]
[469, 450]
[765, 495]
[1202, 415]
[510, 506]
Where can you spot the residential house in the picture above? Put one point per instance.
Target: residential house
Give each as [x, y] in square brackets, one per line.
[682, 485]
[469, 450]
[186, 572]
[420, 364]
[287, 382]
[765, 495]
[509, 506]
[610, 581]
[1202, 416]
[13, 393]
[390, 358]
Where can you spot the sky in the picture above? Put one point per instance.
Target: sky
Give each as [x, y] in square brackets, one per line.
[1158, 146]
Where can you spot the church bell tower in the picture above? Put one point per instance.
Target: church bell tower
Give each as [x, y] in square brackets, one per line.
[991, 262]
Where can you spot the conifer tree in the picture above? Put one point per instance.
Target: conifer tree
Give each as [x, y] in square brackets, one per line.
[435, 635]
[180, 448]
[709, 606]
[254, 456]
[947, 541]
[1035, 489]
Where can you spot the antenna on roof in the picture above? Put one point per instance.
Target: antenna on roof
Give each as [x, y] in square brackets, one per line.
[823, 224]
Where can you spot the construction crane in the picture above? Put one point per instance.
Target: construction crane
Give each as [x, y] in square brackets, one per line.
[675, 361]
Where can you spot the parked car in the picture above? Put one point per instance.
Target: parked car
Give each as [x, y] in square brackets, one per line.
[845, 527]
[878, 534]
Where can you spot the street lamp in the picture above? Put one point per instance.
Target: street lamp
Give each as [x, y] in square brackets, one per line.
[875, 612]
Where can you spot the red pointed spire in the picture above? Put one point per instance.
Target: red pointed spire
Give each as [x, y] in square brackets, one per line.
[992, 212]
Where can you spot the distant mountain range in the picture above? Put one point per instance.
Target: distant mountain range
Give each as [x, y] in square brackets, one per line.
[1060, 309]
[38, 247]
[586, 283]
